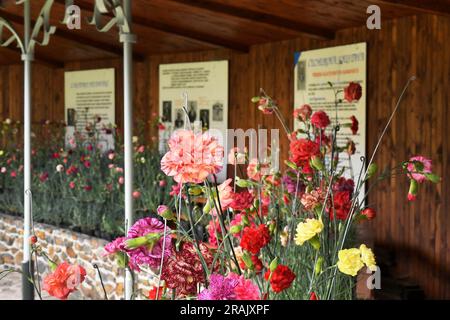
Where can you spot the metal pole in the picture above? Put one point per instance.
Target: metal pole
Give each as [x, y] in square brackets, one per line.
[128, 39]
[27, 263]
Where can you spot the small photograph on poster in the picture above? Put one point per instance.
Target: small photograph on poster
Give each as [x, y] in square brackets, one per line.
[217, 112]
[192, 111]
[204, 118]
[167, 111]
[71, 117]
[179, 120]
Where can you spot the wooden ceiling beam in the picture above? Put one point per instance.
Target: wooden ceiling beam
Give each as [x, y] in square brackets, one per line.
[38, 58]
[72, 36]
[441, 7]
[260, 17]
[153, 24]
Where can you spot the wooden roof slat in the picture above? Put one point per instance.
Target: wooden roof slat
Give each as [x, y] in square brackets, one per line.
[260, 17]
[426, 6]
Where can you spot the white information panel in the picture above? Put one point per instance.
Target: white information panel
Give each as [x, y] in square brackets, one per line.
[340, 65]
[89, 100]
[206, 86]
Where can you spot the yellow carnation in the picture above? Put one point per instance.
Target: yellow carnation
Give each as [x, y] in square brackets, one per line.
[350, 261]
[307, 230]
[368, 257]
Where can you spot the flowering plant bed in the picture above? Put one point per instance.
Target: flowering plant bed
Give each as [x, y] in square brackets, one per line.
[268, 235]
[79, 186]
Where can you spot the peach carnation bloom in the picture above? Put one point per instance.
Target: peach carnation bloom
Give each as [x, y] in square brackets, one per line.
[225, 195]
[312, 199]
[192, 157]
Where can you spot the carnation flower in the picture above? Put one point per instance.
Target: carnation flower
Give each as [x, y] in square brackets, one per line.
[343, 184]
[183, 270]
[303, 113]
[241, 200]
[301, 151]
[312, 199]
[369, 213]
[308, 230]
[320, 119]
[280, 279]
[192, 157]
[341, 205]
[350, 261]
[220, 288]
[254, 170]
[352, 92]
[418, 166]
[149, 255]
[214, 230]
[225, 195]
[245, 289]
[254, 238]
[64, 280]
[368, 257]
[115, 246]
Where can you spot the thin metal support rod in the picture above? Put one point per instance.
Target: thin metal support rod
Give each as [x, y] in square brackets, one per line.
[27, 262]
[128, 39]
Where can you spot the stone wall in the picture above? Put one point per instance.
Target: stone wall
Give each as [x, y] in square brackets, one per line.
[65, 245]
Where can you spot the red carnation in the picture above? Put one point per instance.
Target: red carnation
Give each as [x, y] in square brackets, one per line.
[255, 238]
[301, 151]
[340, 207]
[281, 279]
[241, 201]
[320, 119]
[355, 125]
[352, 92]
[369, 213]
[183, 270]
[257, 264]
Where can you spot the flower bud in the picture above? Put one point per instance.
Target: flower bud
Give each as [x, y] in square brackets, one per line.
[245, 220]
[371, 170]
[274, 264]
[33, 239]
[242, 183]
[255, 99]
[235, 229]
[318, 266]
[317, 163]
[247, 260]
[369, 213]
[413, 188]
[165, 212]
[433, 177]
[195, 191]
[315, 242]
[291, 165]
[207, 207]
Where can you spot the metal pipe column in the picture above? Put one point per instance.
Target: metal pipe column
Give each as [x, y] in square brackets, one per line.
[27, 263]
[128, 39]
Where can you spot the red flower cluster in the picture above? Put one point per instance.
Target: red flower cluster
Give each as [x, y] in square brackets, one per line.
[241, 201]
[255, 238]
[257, 264]
[281, 279]
[352, 92]
[183, 270]
[64, 280]
[320, 119]
[340, 207]
[301, 151]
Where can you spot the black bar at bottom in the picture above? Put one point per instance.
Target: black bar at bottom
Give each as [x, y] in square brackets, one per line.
[27, 285]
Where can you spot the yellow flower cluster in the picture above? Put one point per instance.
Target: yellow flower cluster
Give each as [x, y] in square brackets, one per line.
[308, 230]
[352, 260]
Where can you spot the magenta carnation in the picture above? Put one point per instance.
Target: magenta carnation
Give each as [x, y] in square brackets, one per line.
[220, 288]
[144, 255]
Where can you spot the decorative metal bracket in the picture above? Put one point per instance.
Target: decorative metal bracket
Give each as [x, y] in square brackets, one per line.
[42, 26]
[114, 8]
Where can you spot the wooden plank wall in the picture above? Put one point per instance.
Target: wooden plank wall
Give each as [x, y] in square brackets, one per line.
[418, 232]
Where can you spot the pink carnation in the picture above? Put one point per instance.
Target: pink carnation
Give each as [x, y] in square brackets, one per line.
[245, 289]
[225, 195]
[418, 166]
[192, 157]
